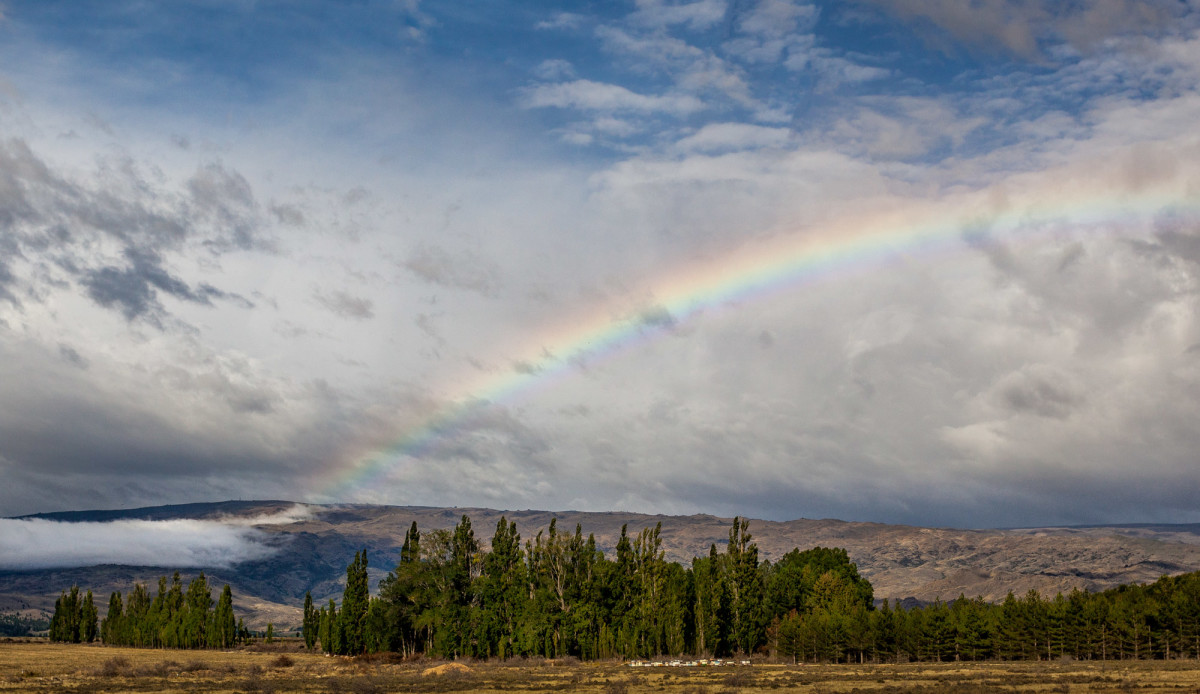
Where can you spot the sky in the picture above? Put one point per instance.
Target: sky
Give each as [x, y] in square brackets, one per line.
[910, 261]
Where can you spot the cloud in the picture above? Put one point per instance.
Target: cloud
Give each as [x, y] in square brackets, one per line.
[461, 270]
[560, 21]
[693, 70]
[554, 69]
[36, 543]
[697, 15]
[597, 96]
[72, 356]
[656, 316]
[1023, 27]
[726, 137]
[346, 305]
[134, 289]
[226, 198]
[901, 380]
[112, 234]
[779, 18]
[1039, 390]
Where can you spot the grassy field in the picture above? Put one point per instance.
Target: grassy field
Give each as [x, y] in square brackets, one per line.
[31, 666]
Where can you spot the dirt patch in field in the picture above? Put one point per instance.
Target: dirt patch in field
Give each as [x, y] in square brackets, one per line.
[446, 669]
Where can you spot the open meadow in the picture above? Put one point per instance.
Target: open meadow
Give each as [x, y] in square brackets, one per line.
[33, 666]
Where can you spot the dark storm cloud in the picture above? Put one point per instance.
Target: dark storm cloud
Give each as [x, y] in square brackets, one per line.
[200, 427]
[1020, 494]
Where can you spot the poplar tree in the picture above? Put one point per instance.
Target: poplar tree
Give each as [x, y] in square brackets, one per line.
[112, 629]
[223, 630]
[501, 590]
[309, 625]
[193, 614]
[57, 621]
[87, 619]
[355, 601]
[745, 587]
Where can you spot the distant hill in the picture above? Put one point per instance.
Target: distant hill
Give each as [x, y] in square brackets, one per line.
[900, 561]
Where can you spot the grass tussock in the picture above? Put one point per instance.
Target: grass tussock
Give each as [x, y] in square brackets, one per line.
[113, 667]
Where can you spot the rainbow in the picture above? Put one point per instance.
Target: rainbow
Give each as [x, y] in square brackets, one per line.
[783, 262]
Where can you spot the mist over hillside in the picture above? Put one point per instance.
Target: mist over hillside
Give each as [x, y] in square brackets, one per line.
[273, 552]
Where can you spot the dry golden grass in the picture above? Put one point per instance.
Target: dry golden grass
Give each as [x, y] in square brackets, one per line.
[31, 666]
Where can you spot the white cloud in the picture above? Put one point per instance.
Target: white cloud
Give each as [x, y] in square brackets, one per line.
[554, 69]
[700, 14]
[598, 96]
[779, 18]
[35, 543]
[560, 21]
[718, 137]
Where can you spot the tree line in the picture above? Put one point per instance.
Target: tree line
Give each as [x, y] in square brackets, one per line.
[174, 618]
[17, 624]
[74, 619]
[559, 595]
[1130, 622]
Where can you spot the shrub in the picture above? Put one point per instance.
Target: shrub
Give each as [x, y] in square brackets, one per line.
[113, 667]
